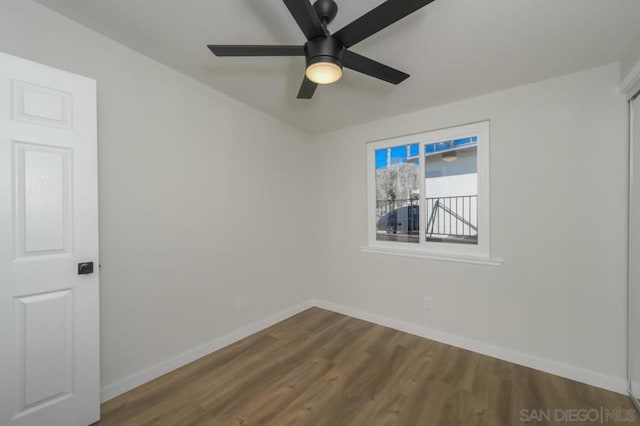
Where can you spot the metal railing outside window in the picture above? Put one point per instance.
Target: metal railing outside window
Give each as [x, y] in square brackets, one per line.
[448, 219]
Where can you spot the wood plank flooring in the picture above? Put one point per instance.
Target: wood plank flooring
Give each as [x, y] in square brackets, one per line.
[321, 368]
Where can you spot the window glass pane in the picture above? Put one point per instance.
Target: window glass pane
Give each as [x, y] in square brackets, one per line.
[398, 194]
[451, 191]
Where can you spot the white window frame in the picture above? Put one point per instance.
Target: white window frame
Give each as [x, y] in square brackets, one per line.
[470, 253]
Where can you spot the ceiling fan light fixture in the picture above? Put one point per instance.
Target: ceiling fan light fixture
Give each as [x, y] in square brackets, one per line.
[324, 60]
[324, 72]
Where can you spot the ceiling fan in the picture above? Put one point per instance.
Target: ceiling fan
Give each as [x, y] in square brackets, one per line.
[327, 53]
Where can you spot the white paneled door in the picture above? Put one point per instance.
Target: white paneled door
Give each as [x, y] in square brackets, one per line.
[49, 331]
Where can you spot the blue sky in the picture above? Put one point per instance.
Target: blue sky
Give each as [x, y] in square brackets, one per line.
[398, 155]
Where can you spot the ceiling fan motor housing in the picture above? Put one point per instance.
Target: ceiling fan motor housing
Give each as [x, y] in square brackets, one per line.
[323, 49]
[326, 10]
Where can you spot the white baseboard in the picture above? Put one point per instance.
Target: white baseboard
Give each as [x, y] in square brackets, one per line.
[549, 366]
[121, 386]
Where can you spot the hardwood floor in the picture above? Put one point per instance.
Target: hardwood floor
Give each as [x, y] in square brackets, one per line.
[322, 368]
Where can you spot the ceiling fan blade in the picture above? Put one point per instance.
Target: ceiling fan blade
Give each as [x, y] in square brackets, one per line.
[307, 18]
[377, 19]
[370, 67]
[255, 50]
[307, 89]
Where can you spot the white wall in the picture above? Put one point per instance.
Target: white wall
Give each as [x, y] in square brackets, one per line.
[630, 58]
[451, 186]
[195, 191]
[558, 175]
[452, 178]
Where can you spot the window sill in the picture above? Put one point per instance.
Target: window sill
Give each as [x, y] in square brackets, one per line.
[476, 260]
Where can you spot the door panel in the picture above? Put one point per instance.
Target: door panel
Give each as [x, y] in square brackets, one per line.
[49, 328]
[40, 105]
[42, 199]
[44, 348]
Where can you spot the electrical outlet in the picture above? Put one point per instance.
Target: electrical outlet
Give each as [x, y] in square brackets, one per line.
[428, 303]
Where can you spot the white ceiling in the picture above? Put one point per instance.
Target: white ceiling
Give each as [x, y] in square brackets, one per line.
[453, 49]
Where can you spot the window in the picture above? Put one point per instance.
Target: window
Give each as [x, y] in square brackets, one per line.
[429, 193]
